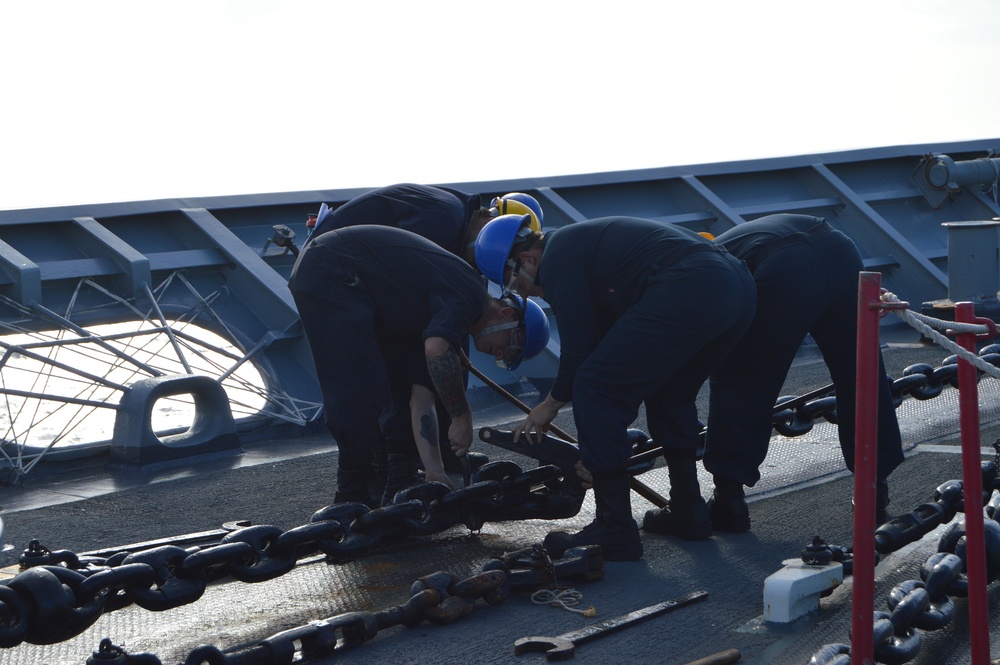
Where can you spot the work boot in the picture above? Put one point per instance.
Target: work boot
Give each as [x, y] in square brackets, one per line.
[728, 507]
[881, 502]
[687, 515]
[400, 475]
[613, 528]
[352, 486]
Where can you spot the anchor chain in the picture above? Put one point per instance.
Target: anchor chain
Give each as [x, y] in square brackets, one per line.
[440, 598]
[926, 604]
[920, 381]
[910, 527]
[61, 594]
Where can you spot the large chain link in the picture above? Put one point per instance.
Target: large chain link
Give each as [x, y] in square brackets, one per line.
[61, 594]
[440, 598]
[920, 381]
[925, 604]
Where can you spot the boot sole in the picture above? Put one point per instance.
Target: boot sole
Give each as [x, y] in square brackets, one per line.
[684, 529]
[727, 522]
[558, 545]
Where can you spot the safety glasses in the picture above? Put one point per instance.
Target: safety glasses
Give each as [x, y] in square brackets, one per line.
[514, 350]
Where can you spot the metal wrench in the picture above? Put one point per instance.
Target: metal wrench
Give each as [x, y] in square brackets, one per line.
[563, 647]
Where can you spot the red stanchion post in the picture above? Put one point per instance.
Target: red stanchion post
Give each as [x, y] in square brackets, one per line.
[865, 433]
[972, 485]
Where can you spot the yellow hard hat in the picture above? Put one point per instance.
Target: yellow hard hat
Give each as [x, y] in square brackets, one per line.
[509, 204]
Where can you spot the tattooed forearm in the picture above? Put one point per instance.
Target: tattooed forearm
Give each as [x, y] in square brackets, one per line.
[429, 428]
[446, 373]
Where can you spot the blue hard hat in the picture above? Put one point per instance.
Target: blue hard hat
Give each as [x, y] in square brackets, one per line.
[535, 326]
[494, 242]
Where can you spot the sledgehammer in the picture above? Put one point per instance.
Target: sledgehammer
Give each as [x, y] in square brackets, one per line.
[639, 487]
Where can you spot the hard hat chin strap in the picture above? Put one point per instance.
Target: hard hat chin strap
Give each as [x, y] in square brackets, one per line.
[520, 243]
[514, 349]
[489, 330]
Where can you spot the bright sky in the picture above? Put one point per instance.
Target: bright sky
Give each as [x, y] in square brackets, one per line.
[127, 100]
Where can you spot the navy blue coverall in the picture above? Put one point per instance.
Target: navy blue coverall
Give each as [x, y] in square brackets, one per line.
[806, 274]
[439, 214]
[368, 297]
[645, 312]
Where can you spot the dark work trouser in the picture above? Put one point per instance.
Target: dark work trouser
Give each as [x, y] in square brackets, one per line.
[660, 352]
[357, 382]
[807, 284]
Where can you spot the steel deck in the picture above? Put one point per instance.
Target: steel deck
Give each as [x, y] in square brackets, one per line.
[804, 492]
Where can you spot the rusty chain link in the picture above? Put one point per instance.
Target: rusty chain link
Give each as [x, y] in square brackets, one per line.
[440, 598]
[61, 594]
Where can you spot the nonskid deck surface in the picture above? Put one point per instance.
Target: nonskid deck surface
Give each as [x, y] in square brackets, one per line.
[803, 493]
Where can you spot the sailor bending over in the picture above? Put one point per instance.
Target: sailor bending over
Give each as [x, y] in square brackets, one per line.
[385, 312]
[646, 311]
[449, 218]
[806, 274]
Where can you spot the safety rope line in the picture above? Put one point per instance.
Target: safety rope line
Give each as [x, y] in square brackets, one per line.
[926, 325]
[924, 604]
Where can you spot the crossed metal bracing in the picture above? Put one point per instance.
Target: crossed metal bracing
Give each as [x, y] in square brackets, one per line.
[90, 307]
[227, 264]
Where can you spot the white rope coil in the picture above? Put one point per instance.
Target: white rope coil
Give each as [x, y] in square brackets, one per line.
[567, 599]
